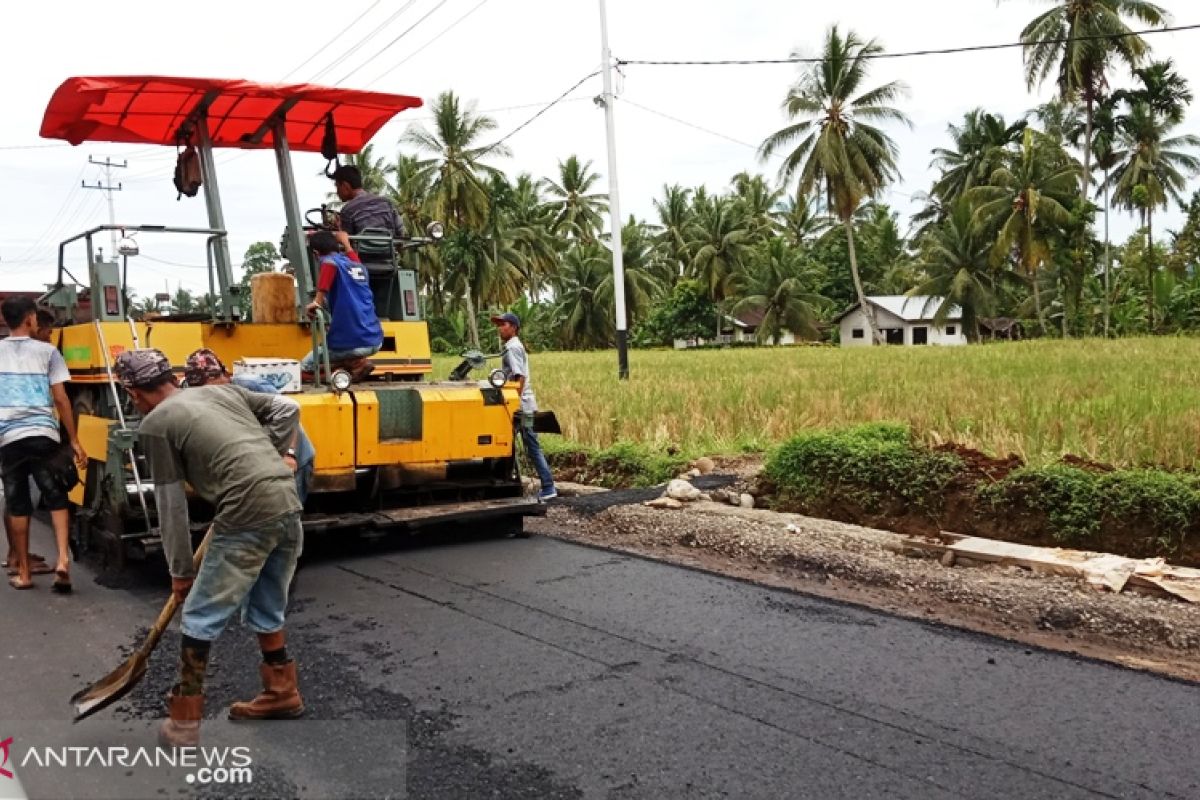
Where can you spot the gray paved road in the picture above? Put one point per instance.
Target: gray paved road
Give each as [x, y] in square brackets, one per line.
[534, 668]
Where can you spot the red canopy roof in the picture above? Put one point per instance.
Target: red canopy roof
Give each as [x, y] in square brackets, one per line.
[148, 109]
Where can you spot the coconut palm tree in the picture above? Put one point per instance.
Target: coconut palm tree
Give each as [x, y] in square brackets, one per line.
[1152, 169]
[837, 148]
[642, 288]
[978, 150]
[800, 219]
[1078, 41]
[586, 321]
[1024, 202]
[674, 218]
[758, 202]
[531, 224]
[1162, 88]
[578, 211]
[956, 260]
[720, 244]
[457, 176]
[777, 287]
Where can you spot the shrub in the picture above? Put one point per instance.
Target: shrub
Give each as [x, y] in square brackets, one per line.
[1078, 505]
[623, 464]
[871, 465]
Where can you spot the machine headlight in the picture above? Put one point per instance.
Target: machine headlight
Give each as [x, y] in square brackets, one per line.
[340, 380]
[435, 231]
[496, 378]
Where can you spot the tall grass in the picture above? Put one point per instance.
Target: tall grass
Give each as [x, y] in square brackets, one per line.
[1128, 402]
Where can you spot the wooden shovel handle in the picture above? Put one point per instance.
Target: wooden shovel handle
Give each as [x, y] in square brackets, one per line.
[172, 605]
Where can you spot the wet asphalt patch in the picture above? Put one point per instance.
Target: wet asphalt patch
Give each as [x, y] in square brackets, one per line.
[334, 689]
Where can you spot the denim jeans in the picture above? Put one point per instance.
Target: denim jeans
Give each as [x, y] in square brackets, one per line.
[533, 448]
[309, 362]
[247, 571]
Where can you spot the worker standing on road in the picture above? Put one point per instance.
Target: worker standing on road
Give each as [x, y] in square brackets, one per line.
[515, 363]
[230, 446]
[33, 380]
[343, 291]
[205, 368]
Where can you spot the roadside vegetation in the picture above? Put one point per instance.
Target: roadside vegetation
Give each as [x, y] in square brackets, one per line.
[1128, 403]
[883, 476]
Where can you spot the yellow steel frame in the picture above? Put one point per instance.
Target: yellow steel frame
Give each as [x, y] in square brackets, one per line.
[455, 422]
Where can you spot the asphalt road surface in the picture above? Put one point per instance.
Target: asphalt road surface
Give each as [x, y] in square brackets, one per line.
[539, 669]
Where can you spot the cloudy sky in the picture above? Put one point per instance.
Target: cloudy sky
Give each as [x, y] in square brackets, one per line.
[509, 56]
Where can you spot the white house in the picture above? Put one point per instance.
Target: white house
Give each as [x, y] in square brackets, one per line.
[740, 328]
[902, 320]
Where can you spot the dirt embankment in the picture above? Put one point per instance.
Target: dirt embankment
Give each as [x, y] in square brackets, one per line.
[963, 510]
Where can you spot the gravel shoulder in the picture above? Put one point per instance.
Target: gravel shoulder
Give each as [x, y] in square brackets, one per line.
[862, 566]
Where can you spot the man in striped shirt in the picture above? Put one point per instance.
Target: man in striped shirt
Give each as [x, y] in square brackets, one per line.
[32, 387]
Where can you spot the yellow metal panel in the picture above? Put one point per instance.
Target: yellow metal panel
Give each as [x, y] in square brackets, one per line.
[93, 435]
[453, 419]
[81, 346]
[328, 419]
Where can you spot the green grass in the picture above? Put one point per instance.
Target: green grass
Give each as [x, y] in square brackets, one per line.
[1128, 403]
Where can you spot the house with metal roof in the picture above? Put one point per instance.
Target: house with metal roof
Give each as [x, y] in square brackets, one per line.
[902, 320]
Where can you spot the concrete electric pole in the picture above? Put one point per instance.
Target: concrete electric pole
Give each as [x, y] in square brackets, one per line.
[108, 187]
[614, 200]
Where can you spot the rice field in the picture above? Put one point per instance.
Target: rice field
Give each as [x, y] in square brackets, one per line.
[1128, 402]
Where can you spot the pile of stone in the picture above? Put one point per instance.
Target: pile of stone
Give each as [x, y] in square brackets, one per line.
[680, 491]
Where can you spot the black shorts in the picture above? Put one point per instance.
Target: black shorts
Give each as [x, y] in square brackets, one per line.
[40, 458]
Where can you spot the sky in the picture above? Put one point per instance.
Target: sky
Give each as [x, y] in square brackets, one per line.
[690, 125]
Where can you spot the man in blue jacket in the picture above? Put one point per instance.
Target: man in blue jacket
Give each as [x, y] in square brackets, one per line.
[344, 291]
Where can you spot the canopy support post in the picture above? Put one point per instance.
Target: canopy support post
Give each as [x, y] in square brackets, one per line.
[216, 218]
[297, 242]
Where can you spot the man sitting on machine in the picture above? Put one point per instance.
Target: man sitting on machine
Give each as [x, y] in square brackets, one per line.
[354, 331]
[379, 225]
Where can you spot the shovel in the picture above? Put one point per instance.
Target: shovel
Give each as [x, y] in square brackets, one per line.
[118, 683]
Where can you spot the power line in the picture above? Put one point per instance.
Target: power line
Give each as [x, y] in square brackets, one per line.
[388, 46]
[414, 53]
[172, 263]
[326, 46]
[56, 216]
[354, 47]
[910, 53]
[693, 125]
[541, 111]
[33, 146]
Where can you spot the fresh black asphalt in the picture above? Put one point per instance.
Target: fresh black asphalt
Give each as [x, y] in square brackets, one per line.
[532, 668]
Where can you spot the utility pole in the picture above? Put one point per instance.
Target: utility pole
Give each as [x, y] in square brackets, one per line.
[614, 200]
[108, 187]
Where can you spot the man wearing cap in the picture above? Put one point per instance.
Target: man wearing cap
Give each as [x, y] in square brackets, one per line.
[515, 363]
[230, 446]
[205, 368]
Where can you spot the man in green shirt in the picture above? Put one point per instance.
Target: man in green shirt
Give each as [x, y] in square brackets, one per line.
[235, 449]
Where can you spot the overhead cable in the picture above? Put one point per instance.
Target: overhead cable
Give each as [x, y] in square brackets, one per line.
[907, 54]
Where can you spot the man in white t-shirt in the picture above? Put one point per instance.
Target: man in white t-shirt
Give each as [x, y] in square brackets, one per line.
[32, 387]
[515, 364]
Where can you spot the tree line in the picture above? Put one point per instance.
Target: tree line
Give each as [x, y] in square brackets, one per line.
[1014, 224]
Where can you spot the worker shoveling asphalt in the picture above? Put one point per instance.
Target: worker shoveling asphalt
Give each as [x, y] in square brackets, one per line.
[235, 449]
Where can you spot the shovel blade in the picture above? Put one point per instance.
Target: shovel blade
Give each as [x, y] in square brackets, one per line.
[111, 688]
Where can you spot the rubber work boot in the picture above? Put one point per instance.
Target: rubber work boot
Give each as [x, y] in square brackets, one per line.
[359, 369]
[182, 727]
[280, 697]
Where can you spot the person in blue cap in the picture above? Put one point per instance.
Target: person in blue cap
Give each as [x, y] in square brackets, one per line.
[515, 363]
